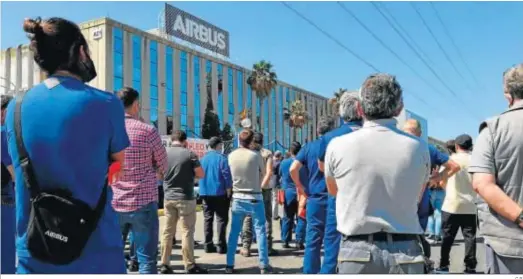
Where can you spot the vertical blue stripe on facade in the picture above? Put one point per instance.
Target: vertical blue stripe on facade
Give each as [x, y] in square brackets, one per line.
[153, 89]
[183, 91]
[117, 59]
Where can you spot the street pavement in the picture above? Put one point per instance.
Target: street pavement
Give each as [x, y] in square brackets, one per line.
[289, 261]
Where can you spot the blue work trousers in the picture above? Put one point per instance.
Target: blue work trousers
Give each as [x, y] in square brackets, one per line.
[7, 244]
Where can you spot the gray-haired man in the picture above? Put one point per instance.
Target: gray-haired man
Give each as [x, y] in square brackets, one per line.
[497, 169]
[378, 175]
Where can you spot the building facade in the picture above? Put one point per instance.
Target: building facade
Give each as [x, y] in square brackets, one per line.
[173, 81]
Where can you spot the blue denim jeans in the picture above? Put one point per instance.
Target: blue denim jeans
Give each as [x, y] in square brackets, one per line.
[436, 199]
[8, 254]
[144, 228]
[240, 209]
[381, 257]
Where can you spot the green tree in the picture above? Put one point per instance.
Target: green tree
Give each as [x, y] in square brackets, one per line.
[262, 80]
[296, 116]
[335, 100]
[211, 122]
[226, 133]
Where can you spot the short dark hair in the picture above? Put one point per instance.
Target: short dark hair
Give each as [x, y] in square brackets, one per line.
[258, 138]
[128, 96]
[295, 148]
[325, 124]
[246, 137]
[214, 142]
[55, 43]
[5, 100]
[179, 136]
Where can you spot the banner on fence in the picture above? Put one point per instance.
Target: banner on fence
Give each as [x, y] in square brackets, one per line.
[198, 146]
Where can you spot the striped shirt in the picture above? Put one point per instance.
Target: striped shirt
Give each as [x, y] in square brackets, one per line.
[139, 184]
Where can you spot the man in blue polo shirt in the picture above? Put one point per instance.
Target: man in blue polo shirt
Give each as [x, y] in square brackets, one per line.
[8, 253]
[316, 193]
[352, 121]
[72, 132]
[215, 190]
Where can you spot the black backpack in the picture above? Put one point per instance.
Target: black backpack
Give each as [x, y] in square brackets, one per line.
[59, 224]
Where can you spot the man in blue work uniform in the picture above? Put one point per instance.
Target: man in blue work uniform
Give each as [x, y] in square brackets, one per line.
[316, 193]
[8, 255]
[352, 122]
[215, 190]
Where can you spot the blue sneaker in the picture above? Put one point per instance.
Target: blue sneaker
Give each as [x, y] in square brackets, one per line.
[442, 270]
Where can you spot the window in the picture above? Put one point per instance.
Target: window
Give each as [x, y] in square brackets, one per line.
[230, 93]
[169, 85]
[153, 50]
[117, 59]
[266, 120]
[249, 97]
[183, 91]
[239, 89]
[137, 63]
[196, 81]
[258, 112]
[280, 113]
[220, 95]
[287, 127]
[275, 115]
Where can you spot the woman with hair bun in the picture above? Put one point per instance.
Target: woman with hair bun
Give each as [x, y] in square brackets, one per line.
[57, 116]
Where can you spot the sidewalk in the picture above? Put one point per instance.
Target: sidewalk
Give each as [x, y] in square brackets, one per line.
[289, 261]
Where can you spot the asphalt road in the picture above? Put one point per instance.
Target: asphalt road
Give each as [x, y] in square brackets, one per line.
[290, 261]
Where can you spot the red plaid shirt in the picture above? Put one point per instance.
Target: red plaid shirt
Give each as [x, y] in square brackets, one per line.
[139, 184]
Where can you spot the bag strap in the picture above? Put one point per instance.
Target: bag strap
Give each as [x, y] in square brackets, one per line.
[27, 167]
[25, 163]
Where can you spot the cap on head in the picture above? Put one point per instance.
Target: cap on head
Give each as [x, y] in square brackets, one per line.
[464, 142]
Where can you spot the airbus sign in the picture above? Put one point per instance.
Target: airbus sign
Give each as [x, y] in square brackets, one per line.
[192, 29]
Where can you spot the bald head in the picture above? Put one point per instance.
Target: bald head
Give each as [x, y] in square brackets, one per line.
[413, 127]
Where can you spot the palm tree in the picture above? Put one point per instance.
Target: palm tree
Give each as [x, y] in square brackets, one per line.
[335, 101]
[262, 80]
[296, 116]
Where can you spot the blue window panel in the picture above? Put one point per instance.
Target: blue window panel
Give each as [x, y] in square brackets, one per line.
[249, 97]
[183, 90]
[275, 115]
[153, 81]
[118, 65]
[137, 85]
[220, 96]
[266, 121]
[196, 79]
[183, 99]
[280, 113]
[154, 74]
[117, 33]
[169, 83]
[118, 83]
[239, 88]
[230, 92]
[208, 66]
[118, 45]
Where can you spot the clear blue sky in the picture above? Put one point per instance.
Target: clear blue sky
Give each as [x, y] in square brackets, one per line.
[487, 33]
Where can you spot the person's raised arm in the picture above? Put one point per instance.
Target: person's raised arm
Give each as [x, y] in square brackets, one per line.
[482, 168]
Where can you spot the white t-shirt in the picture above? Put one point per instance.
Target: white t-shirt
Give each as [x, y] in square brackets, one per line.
[459, 194]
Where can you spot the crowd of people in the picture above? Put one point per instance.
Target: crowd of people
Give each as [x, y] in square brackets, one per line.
[365, 192]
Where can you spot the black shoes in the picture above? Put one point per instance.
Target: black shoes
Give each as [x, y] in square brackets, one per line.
[470, 271]
[300, 246]
[266, 270]
[210, 249]
[222, 250]
[132, 266]
[272, 252]
[286, 245]
[229, 270]
[197, 270]
[165, 269]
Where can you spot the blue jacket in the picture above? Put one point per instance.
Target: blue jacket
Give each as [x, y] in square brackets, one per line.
[217, 174]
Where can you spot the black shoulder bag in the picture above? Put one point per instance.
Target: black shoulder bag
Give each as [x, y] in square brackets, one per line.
[59, 225]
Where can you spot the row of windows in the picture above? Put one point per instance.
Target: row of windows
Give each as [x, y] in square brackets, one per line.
[269, 127]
